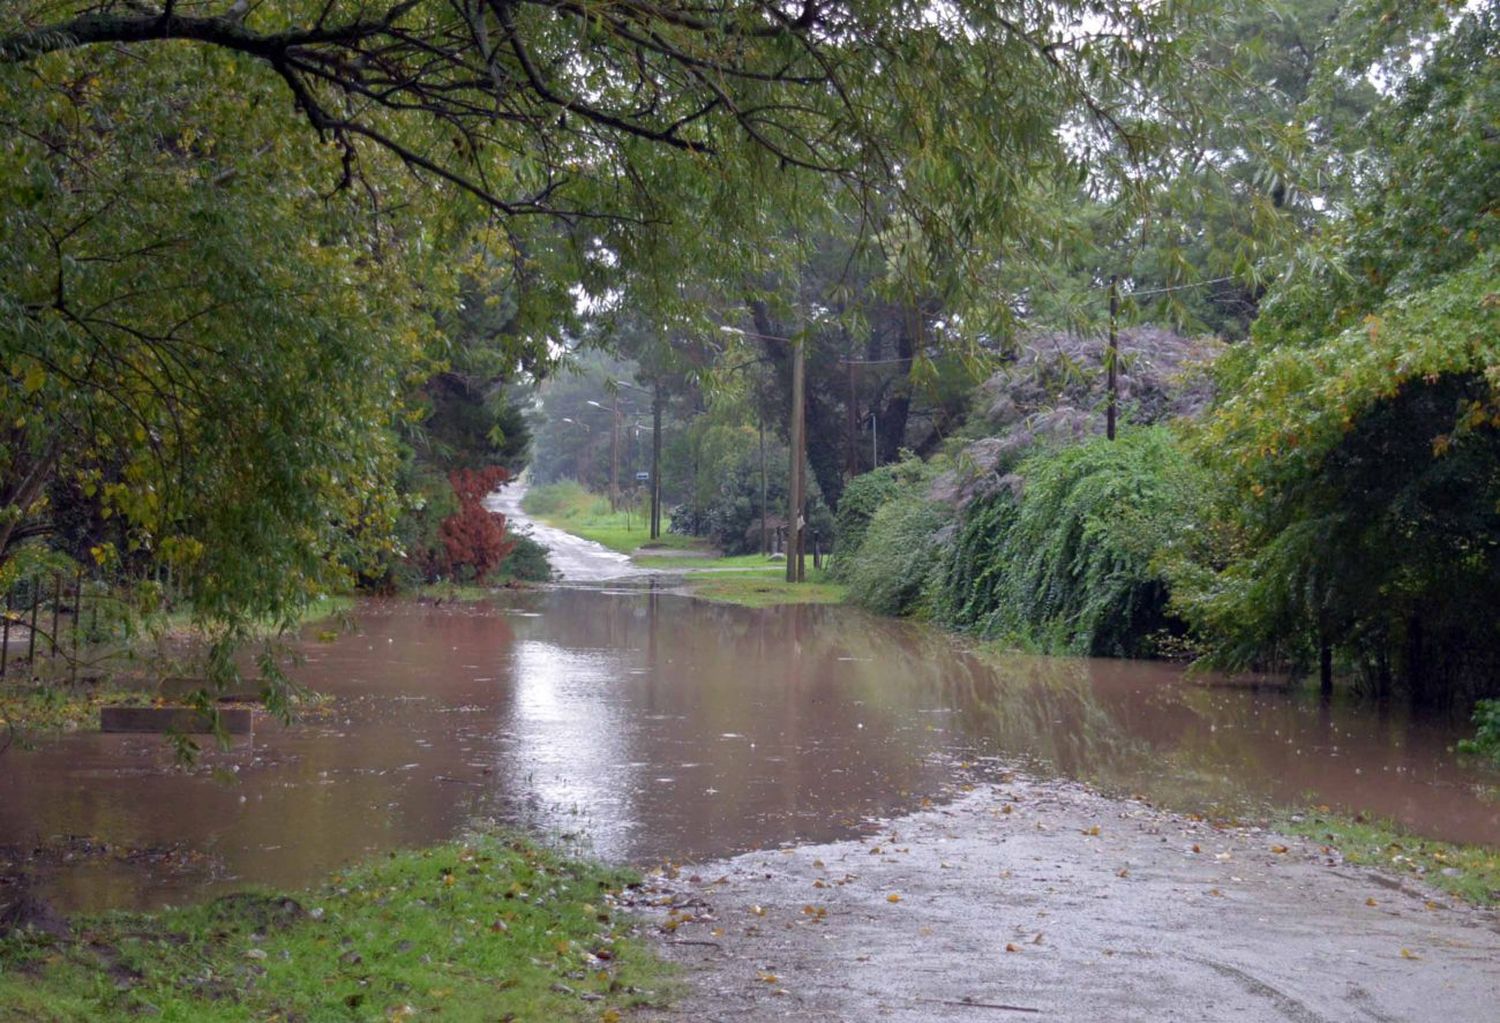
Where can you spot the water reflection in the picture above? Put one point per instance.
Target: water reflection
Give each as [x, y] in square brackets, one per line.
[661, 727]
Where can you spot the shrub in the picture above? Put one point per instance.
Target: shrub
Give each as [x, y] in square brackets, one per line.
[862, 499]
[894, 572]
[730, 514]
[1486, 741]
[526, 562]
[1072, 564]
[554, 499]
[473, 537]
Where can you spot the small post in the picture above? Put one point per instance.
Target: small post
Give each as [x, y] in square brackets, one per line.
[1112, 358]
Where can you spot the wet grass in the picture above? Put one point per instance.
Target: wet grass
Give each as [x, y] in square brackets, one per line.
[491, 928]
[751, 580]
[41, 708]
[53, 702]
[759, 590]
[1469, 872]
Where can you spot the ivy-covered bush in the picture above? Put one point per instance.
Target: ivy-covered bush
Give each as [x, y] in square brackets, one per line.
[898, 564]
[1072, 563]
[862, 498]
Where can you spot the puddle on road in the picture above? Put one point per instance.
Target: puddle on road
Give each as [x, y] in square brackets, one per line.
[662, 727]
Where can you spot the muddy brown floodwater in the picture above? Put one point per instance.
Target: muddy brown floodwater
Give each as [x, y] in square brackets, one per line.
[657, 726]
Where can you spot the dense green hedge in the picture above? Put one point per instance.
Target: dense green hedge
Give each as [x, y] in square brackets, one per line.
[895, 571]
[1071, 565]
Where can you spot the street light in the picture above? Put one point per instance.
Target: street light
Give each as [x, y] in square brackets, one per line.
[796, 569]
[614, 451]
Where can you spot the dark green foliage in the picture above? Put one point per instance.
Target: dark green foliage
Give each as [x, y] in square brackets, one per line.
[1070, 566]
[898, 563]
[1486, 741]
[1358, 434]
[527, 561]
[731, 516]
[862, 499]
[470, 426]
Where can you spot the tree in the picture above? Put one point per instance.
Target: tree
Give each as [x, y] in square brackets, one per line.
[230, 234]
[1358, 431]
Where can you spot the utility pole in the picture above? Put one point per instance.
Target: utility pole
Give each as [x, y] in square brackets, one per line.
[656, 460]
[614, 455]
[794, 565]
[765, 535]
[1112, 359]
[851, 422]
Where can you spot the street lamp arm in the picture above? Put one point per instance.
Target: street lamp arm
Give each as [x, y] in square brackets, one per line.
[727, 329]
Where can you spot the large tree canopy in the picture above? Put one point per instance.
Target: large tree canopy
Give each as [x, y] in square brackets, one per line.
[567, 106]
[1359, 430]
[233, 233]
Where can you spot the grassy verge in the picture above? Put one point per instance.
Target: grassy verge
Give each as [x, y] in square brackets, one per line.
[32, 708]
[739, 562]
[489, 929]
[759, 590]
[54, 704]
[1470, 872]
[180, 620]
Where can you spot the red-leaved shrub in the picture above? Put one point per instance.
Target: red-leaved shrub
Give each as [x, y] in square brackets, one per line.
[473, 536]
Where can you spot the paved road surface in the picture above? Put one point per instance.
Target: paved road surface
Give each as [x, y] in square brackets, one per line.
[573, 558]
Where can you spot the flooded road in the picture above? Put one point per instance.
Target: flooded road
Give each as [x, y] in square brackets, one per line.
[656, 726]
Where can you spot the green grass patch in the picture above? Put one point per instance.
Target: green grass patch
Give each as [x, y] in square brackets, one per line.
[570, 507]
[33, 708]
[180, 620]
[487, 929]
[757, 590]
[1470, 872]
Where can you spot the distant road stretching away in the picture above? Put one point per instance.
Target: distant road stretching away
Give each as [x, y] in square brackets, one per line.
[573, 558]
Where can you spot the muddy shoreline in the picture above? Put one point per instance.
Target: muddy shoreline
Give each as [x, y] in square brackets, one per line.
[1043, 899]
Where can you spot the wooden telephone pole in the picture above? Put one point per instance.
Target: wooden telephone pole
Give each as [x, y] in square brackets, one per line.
[796, 526]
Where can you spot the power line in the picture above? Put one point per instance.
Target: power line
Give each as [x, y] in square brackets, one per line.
[1169, 287]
